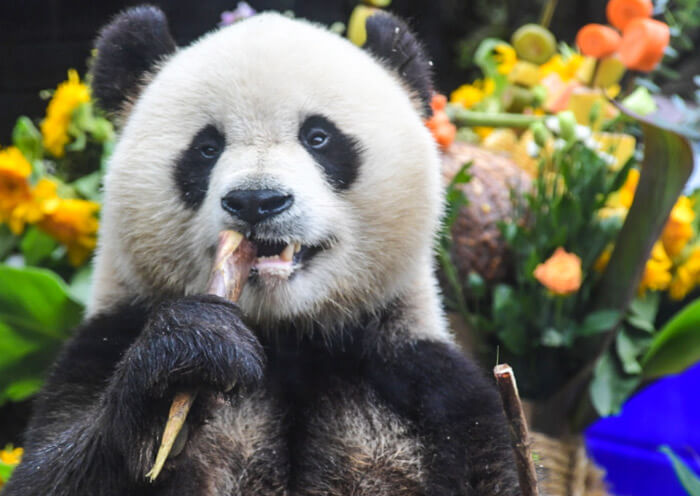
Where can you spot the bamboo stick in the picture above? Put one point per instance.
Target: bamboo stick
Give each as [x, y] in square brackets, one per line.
[234, 258]
[519, 434]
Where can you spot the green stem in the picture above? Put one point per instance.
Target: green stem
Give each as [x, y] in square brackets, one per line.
[548, 13]
[462, 117]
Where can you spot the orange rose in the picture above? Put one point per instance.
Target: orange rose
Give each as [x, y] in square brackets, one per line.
[561, 273]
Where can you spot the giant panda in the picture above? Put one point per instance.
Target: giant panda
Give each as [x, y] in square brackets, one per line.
[335, 373]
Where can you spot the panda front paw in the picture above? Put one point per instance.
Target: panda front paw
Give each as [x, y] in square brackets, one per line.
[191, 343]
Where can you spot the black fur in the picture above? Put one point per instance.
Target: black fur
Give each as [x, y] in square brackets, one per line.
[96, 424]
[339, 154]
[392, 42]
[127, 49]
[195, 164]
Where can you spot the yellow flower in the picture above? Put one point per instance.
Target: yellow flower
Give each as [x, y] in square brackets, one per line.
[482, 131]
[14, 184]
[687, 276]
[566, 68]
[678, 229]
[68, 96]
[43, 200]
[505, 58]
[620, 201]
[657, 272]
[469, 95]
[603, 259]
[560, 273]
[10, 456]
[629, 188]
[73, 223]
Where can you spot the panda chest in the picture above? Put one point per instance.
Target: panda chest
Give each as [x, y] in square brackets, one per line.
[310, 435]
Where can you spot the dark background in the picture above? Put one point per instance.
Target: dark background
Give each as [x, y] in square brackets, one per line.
[41, 39]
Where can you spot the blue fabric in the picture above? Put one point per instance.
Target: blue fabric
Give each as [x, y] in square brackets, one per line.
[666, 412]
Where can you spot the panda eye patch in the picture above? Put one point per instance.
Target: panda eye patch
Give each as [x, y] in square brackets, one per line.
[195, 163]
[337, 153]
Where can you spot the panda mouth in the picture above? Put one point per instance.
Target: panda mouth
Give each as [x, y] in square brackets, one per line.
[280, 259]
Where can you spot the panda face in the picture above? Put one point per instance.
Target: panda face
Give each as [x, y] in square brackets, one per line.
[291, 135]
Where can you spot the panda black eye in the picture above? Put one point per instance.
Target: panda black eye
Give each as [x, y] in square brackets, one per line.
[209, 151]
[317, 138]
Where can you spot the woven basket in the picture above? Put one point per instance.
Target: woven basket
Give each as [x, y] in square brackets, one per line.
[566, 468]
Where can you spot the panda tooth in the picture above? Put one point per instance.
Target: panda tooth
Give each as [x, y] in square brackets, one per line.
[287, 253]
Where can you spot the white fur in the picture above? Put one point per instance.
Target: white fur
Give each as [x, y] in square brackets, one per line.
[257, 80]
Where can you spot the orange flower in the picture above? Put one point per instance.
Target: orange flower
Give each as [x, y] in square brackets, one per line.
[14, 184]
[73, 223]
[439, 124]
[43, 200]
[561, 273]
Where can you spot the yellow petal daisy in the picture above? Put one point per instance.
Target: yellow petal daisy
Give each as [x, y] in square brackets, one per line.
[68, 96]
[72, 222]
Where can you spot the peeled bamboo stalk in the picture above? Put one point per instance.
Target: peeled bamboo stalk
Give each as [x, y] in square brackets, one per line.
[520, 437]
[234, 258]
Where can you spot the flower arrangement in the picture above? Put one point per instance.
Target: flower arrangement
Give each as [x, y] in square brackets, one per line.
[49, 206]
[601, 239]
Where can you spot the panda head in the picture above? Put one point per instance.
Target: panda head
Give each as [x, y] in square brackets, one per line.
[276, 128]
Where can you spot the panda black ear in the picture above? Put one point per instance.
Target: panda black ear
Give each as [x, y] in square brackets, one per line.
[127, 49]
[392, 42]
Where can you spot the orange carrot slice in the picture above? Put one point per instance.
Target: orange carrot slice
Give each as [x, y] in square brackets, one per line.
[596, 40]
[621, 12]
[643, 44]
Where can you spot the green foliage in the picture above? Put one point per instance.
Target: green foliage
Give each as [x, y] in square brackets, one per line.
[36, 315]
[677, 345]
[611, 385]
[688, 479]
[454, 201]
[667, 165]
[5, 470]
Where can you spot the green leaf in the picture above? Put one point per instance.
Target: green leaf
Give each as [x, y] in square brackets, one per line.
[688, 479]
[677, 345]
[642, 311]
[7, 241]
[552, 338]
[598, 322]
[36, 245]
[89, 186]
[507, 317]
[476, 284]
[22, 389]
[36, 314]
[667, 164]
[27, 138]
[483, 57]
[6, 471]
[627, 351]
[610, 386]
[37, 301]
[81, 284]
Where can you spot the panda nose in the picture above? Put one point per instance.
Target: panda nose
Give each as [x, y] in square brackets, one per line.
[256, 205]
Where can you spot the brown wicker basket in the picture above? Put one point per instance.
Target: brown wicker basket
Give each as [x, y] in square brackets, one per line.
[565, 468]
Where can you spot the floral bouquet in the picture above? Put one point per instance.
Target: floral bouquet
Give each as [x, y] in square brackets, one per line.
[600, 240]
[49, 202]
